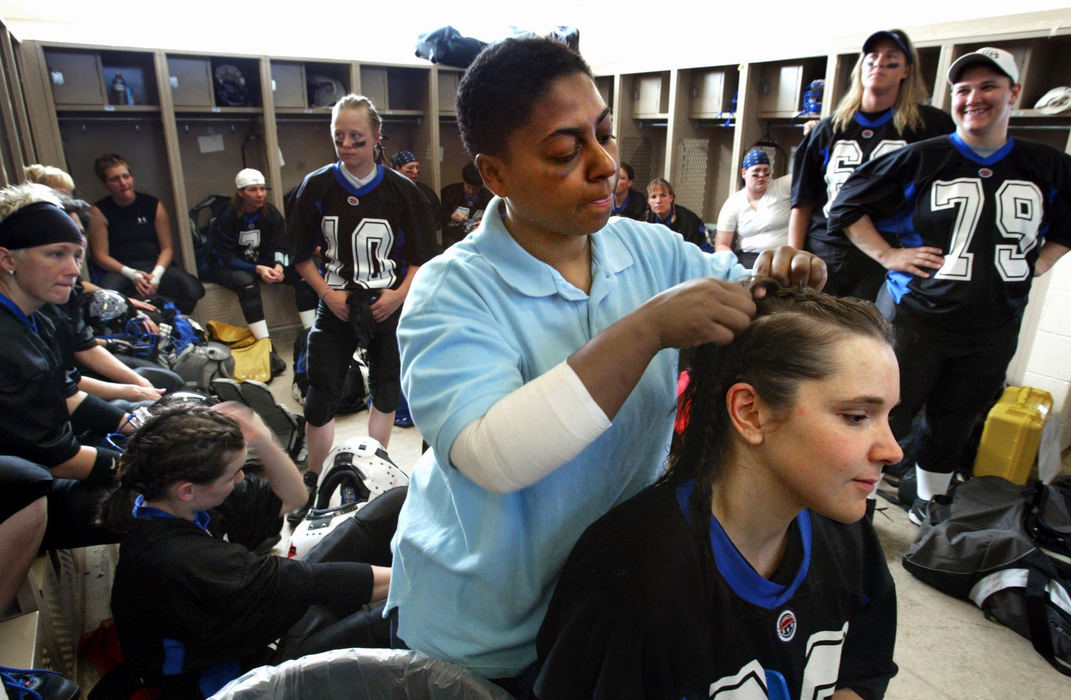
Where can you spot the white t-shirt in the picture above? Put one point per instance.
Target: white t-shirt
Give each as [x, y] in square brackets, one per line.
[764, 227]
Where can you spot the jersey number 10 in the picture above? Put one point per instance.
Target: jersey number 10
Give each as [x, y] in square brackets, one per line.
[1019, 208]
[371, 243]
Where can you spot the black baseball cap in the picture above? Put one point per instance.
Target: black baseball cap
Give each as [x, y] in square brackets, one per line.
[895, 36]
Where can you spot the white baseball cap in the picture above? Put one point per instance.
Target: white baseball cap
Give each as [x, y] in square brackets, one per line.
[247, 177]
[990, 55]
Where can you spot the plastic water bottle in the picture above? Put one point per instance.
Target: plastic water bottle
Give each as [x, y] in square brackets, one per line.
[118, 91]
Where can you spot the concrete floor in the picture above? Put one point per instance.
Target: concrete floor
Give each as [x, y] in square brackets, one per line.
[945, 647]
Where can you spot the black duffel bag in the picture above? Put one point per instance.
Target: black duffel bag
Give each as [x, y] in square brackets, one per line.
[978, 546]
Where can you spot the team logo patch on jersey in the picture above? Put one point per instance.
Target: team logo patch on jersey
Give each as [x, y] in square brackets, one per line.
[786, 626]
[985, 172]
[353, 201]
[867, 133]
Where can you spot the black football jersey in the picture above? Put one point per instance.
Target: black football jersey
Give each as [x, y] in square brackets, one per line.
[826, 159]
[990, 216]
[369, 236]
[646, 609]
[254, 239]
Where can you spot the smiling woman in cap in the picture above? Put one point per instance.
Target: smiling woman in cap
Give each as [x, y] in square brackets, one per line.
[249, 246]
[882, 111]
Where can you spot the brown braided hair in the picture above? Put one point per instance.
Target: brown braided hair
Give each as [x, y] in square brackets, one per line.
[790, 341]
[179, 444]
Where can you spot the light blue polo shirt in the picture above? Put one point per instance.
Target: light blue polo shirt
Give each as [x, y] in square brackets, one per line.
[474, 571]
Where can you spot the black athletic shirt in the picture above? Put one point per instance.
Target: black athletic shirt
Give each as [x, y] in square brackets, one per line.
[370, 236]
[34, 421]
[685, 222]
[132, 229]
[635, 206]
[990, 216]
[827, 157]
[645, 609]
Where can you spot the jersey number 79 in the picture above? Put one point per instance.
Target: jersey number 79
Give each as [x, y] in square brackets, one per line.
[1019, 208]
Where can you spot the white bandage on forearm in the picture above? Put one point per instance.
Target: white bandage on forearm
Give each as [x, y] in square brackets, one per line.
[130, 273]
[530, 432]
[157, 274]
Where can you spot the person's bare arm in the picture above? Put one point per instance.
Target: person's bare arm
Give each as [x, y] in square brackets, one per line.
[163, 236]
[912, 260]
[1050, 253]
[335, 299]
[799, 220]
[100, 361]
[282, 475]
[723, 241]
[98, 241]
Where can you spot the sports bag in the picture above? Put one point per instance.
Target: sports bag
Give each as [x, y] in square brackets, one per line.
[976, 546]
[252, 356]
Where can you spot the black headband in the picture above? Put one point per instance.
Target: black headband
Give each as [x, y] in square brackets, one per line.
[37, 224]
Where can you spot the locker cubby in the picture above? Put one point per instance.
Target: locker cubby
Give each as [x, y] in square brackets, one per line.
[448, 81]
[605, 85]
[84, 80]
[648, 94]
[1044, 63]
[782, 84]
[712, 92]
[249, 68]
[76, 77]
[396, 90]
[318, 72]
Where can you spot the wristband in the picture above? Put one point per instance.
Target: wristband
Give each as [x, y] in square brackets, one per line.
[325, 293]
[157, 274]
[130, 273]
[105, 467]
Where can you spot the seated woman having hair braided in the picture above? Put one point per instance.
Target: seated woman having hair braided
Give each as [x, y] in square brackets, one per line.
[749, 567]
[194, 605]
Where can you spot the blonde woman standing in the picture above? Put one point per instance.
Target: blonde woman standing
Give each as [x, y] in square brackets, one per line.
[883, 111]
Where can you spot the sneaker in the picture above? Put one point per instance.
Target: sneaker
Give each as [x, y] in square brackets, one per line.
[276, 363]
[298, 514]
[37, 683]
[919, 511]
[893, 473]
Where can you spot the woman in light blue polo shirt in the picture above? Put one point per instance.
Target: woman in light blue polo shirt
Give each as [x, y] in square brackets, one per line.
[539, 356]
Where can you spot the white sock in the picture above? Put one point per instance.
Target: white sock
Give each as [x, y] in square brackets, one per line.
[307, 318]
[930, 484]
[259, 328]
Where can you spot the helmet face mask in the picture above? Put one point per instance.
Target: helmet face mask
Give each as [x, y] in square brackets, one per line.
[357, 471]
[107, 309]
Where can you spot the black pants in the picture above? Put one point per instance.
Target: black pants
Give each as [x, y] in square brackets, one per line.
[176, 284]
[952, 378]
[72, 504]
[852, 273]
[247, 286]
[331, 346]
[365, 538]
